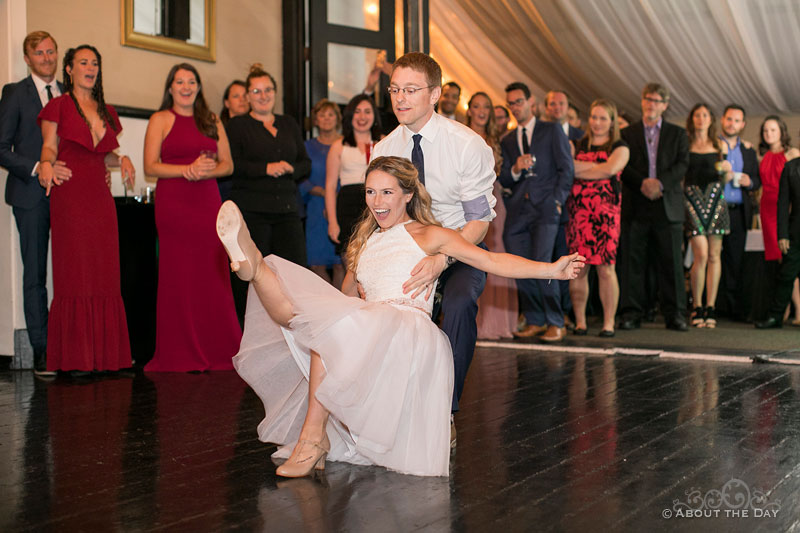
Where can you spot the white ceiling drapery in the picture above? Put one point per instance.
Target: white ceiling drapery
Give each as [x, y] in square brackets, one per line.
[716, 51]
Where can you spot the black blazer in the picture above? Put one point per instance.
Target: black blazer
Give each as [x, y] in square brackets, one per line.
[671, 164]
[554, 172]
[789, 197]
[750, 167]
[21, 142]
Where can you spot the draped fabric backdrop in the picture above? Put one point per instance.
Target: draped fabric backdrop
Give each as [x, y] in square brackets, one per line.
[717, 51]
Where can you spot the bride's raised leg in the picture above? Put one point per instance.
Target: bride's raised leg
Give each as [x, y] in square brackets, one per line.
[248, 263]
[313, 445]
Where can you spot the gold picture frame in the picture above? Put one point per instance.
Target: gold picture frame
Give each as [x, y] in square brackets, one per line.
[167, 45]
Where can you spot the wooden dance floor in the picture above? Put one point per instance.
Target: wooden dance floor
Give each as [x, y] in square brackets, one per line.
[546, 442]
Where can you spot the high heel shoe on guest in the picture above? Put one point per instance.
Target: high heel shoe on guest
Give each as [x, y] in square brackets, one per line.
[711, 318]
[310, 456]
[235, 237]
[698, 320]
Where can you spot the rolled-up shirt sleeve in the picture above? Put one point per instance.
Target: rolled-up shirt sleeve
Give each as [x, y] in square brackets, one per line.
[477, 178]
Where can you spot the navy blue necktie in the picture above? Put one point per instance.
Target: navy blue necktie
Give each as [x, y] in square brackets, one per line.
[526, 147]
[417, 159]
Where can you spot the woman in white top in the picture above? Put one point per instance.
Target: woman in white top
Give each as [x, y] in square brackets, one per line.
[363, 381]
[347, 161]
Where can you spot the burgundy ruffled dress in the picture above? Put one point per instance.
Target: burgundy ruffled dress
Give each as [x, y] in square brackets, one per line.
[87, 329]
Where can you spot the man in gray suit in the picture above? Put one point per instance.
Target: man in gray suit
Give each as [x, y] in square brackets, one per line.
[20, 149]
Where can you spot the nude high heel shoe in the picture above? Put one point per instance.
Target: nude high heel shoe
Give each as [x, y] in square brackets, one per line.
[235, 237]
[309, 456]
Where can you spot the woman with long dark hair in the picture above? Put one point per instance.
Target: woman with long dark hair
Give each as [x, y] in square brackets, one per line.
[776, 149]
[186, 148]
[234, 103]
[707, 219]
[87, 329]
[270, 159]
[347, 161]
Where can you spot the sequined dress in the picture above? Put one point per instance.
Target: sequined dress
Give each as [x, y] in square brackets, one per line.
[388, 368]
[706, 210]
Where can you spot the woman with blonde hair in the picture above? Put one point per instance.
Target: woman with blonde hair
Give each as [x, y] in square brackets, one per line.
[363, 381]
[497, 305]
[594, 207]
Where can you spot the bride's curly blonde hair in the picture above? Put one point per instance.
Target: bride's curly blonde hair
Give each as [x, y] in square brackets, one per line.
[419, 208]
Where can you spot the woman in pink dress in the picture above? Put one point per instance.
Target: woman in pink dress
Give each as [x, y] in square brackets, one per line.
[87, 329]
[185, 147]
[497, 306]
[775, 149]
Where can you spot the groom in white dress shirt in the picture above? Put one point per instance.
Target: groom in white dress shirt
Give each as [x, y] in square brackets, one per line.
[457, 167]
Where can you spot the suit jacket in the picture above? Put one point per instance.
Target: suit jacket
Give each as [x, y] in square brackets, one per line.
[575, 134]
[789, 203]
[553, 173]
[21, 142]
[750, 168]
[671, 164]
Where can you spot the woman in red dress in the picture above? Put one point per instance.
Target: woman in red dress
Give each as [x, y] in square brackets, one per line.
[87, 329]
[185, 147]
[594, 212]
[775, 148]
[497, 305]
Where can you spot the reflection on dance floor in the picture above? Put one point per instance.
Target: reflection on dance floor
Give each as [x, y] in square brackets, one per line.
[545, 442]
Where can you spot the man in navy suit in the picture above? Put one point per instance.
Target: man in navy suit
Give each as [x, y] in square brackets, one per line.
[20, 149]
[539, 193]
[556, 105]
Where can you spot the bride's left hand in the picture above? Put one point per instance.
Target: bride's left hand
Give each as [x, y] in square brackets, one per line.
[569, 266]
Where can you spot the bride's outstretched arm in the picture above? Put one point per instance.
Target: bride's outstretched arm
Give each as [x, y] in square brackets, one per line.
[449, 242]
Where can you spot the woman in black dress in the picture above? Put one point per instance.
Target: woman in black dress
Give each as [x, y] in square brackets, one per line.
[269, 159]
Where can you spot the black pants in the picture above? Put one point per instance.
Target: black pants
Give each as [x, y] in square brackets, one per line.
[34, 233]
[279, 234]
[731, 284]
[637, 235]
[790, 269]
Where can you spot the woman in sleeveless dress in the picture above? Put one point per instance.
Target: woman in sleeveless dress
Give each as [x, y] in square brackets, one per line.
[87, 328]
[775, 149]
[378, 369]
[707, 219]
[347, 162]
[319, 248]
[497, 305]
[594, 207]
[185, 147]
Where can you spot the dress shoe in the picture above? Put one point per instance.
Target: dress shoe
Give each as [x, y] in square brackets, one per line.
[40, 368]
[306, 457]
[553, 334]
[580, 332]
[769, 323]
[630, 323]
[235, 237]
[607, 333]
[530, 331]
[650, 315]
[677, 324]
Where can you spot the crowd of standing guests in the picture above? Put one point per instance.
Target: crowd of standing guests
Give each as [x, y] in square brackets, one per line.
[633, 197]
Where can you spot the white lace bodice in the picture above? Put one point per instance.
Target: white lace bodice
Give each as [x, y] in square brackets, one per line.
[386, 263]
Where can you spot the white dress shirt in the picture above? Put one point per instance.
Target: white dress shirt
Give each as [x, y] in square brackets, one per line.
[529, 134]
[459, 169]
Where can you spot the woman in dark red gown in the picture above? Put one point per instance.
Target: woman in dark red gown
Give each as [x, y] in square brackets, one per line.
[87, 328]
[186, 148]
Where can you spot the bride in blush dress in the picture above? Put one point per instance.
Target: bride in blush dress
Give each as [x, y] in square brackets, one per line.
[363, 381]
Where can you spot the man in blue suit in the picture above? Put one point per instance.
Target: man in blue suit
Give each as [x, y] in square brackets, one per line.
[539, 193]
[20, 149]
